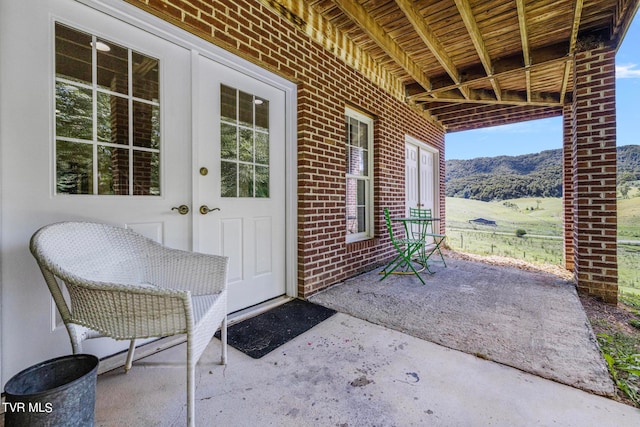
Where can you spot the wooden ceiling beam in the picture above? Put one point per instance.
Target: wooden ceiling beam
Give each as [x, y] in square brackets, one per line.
[577, 13]
[524, 37]
[464, 8]
[477, 122]
[481, 96]
[361, 17]
[431, 41]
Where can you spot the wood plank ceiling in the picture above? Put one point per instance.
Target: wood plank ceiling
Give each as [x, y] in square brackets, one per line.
[472, 63]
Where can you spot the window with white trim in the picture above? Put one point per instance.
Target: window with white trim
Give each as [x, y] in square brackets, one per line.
[359, 175]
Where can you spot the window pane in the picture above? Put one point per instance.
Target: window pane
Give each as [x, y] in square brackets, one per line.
[74, 111]
[262, 148]
[363, 135]
[228, 179]
[262, 181]
[113, 119]
[74, 168]
[358, 161]
[73, 54]
[262, 114]
[362, 219]
[113, 170]
[113, 65]
[228, 142]
[245, 104]
[146, 125]
[353, 131]
[245, 145]
[362, 193]
[245, 179]
[228, 103]
[145, 79]
[146, 173]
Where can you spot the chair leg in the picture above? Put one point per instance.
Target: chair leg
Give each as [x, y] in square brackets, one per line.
[191, 387]
[129, 362]
[223, 338]
[403, 258]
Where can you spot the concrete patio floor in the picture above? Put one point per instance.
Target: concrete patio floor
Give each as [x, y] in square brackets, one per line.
[347, 372]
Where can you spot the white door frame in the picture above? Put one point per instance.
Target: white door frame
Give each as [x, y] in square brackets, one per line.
[436, 170]
[141, 19]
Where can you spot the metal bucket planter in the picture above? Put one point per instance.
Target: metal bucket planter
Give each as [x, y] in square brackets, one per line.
[58, 392]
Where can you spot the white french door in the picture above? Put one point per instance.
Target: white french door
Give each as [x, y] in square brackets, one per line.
[99, 129]
[239, 179]
[421, 176]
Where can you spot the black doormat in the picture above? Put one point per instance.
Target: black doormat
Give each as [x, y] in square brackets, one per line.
[265, 332]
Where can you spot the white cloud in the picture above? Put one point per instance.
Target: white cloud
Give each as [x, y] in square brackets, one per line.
[628, 71]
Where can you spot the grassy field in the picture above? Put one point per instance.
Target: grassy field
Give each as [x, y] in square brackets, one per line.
[541, 219]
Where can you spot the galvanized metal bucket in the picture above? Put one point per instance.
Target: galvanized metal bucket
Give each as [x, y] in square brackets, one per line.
[57, 392]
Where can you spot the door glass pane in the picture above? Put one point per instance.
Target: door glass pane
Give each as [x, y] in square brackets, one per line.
[146, 125]
[228, 141]
[145, 77]
[245, 183]
[73, 54]
[262, 114]
[245, 108]
[244, 144]
[74, 167]
[113, 119]
[113, 170]
[113, 66]
[262, 181]
[262, 148]
[229, 172]
[145, 174]
[74, 111]
[228, 103]
[122, 87]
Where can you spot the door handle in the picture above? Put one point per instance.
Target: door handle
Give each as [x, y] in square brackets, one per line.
[182, 209]
[204, 209]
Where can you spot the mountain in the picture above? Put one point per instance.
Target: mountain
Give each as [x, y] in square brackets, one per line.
[528, 175]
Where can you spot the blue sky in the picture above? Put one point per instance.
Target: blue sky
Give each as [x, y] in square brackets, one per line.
[546, 134]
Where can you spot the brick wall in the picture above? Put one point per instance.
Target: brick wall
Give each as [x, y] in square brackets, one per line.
[326, 85]
[567, 184]
[594, 174]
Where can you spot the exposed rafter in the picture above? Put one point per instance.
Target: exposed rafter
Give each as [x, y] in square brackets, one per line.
[577, 12]
[432, 42]
[360, 16]
[478, 42]
[522, 22]
[481, 96]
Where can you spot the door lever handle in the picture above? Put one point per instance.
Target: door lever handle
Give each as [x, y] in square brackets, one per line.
[204, 209]
[182, 209]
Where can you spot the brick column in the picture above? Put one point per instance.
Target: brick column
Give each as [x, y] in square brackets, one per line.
[594, 174]
[567, 184]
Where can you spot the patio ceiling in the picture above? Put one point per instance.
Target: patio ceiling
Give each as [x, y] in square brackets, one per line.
[470, 63]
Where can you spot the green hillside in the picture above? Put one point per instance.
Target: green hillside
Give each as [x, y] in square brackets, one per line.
[529, 175]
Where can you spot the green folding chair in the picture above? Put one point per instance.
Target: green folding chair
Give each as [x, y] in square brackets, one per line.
[423, 230]
[407, 248]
